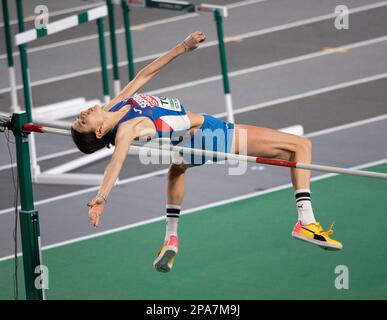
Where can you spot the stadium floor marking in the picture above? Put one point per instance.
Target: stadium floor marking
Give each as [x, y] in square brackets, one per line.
[335, 49]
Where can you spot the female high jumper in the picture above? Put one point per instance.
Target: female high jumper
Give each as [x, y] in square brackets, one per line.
[131, 115]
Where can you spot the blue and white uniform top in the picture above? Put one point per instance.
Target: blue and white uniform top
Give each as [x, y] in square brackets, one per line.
[171, 121]
[167, 114]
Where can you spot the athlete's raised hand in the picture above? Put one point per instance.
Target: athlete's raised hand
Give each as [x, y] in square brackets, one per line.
[193, 40]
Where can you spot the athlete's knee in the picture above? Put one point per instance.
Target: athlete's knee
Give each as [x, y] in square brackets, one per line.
[304, 145]
[177, 169]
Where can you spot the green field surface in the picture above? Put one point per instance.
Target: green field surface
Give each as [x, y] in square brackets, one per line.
[242, 250]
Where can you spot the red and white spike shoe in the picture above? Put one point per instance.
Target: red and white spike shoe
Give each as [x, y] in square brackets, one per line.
[165, 257]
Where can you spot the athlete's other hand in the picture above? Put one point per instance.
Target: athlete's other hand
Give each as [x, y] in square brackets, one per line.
[96, 208]
[193, 40]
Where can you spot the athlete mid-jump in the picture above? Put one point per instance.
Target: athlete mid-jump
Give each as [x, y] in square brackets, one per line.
[130, 115]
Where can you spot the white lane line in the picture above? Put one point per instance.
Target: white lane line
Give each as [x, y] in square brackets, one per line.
[305, 94]
[164, 171]
[205, 45]
[59, 78]
[58, 154]
[218, 77]
[346, 126]
[8, 166]
[141, 27]
[46, 157]
[197, 209]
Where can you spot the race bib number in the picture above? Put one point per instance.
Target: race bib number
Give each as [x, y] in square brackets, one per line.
[170, 104]
[165, 103]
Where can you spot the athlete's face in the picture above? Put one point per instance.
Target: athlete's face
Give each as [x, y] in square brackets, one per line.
[89, 120]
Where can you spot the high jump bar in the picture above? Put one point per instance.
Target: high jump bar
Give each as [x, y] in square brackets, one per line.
[227, 156]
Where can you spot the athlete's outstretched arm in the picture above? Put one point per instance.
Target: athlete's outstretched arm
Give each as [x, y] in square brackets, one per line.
[126, 133]
[148, 72]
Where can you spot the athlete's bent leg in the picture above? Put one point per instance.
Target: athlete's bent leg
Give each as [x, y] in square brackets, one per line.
[269, 143]
[176, 183]
[175, 188]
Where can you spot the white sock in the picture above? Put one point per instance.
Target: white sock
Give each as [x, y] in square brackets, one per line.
[172, 219]
[304, 206]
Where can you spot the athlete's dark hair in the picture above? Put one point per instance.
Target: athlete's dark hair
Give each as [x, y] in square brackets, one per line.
[87, 142]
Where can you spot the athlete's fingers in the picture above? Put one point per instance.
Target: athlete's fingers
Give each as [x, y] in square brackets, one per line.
[97, 218]
[92, 218]
[92, 215]
[92, 208]
[96, 222]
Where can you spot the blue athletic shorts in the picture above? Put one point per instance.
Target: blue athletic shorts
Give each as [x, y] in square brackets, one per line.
[214, 135]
